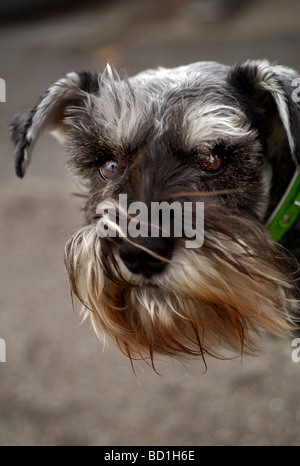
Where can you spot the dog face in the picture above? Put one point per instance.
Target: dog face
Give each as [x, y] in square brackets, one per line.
[226, 137]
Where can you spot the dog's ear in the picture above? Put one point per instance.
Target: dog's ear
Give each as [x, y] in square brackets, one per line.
[270, 95]
[48, 114]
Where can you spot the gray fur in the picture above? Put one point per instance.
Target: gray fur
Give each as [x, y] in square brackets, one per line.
[163, 129]
[188, 110]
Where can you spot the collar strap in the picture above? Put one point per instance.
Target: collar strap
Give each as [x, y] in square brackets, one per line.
[287, 211]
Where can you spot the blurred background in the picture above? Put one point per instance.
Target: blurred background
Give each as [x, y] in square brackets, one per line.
[57, 386]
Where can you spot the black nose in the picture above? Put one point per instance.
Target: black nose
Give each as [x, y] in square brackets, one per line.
[140, 262]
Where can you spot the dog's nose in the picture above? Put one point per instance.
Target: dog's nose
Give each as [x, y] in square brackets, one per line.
[141, 262]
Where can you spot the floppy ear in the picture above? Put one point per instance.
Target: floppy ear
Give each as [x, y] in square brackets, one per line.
[270, 95]
[48, 114]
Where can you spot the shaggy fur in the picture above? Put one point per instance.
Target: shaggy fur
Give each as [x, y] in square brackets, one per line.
[228, 137]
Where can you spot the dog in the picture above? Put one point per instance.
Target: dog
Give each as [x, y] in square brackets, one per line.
[206, 134]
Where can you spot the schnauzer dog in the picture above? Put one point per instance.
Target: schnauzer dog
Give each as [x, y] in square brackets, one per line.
[206, 133]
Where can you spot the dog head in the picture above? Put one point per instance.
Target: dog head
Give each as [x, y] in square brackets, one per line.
[207, 134]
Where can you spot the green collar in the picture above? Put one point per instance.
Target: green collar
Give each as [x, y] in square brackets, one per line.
[287, 211]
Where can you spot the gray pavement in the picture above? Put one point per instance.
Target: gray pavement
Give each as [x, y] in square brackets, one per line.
[57, 386]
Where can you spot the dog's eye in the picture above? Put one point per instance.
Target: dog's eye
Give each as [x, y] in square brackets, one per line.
[213, 162]
[107, 168]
